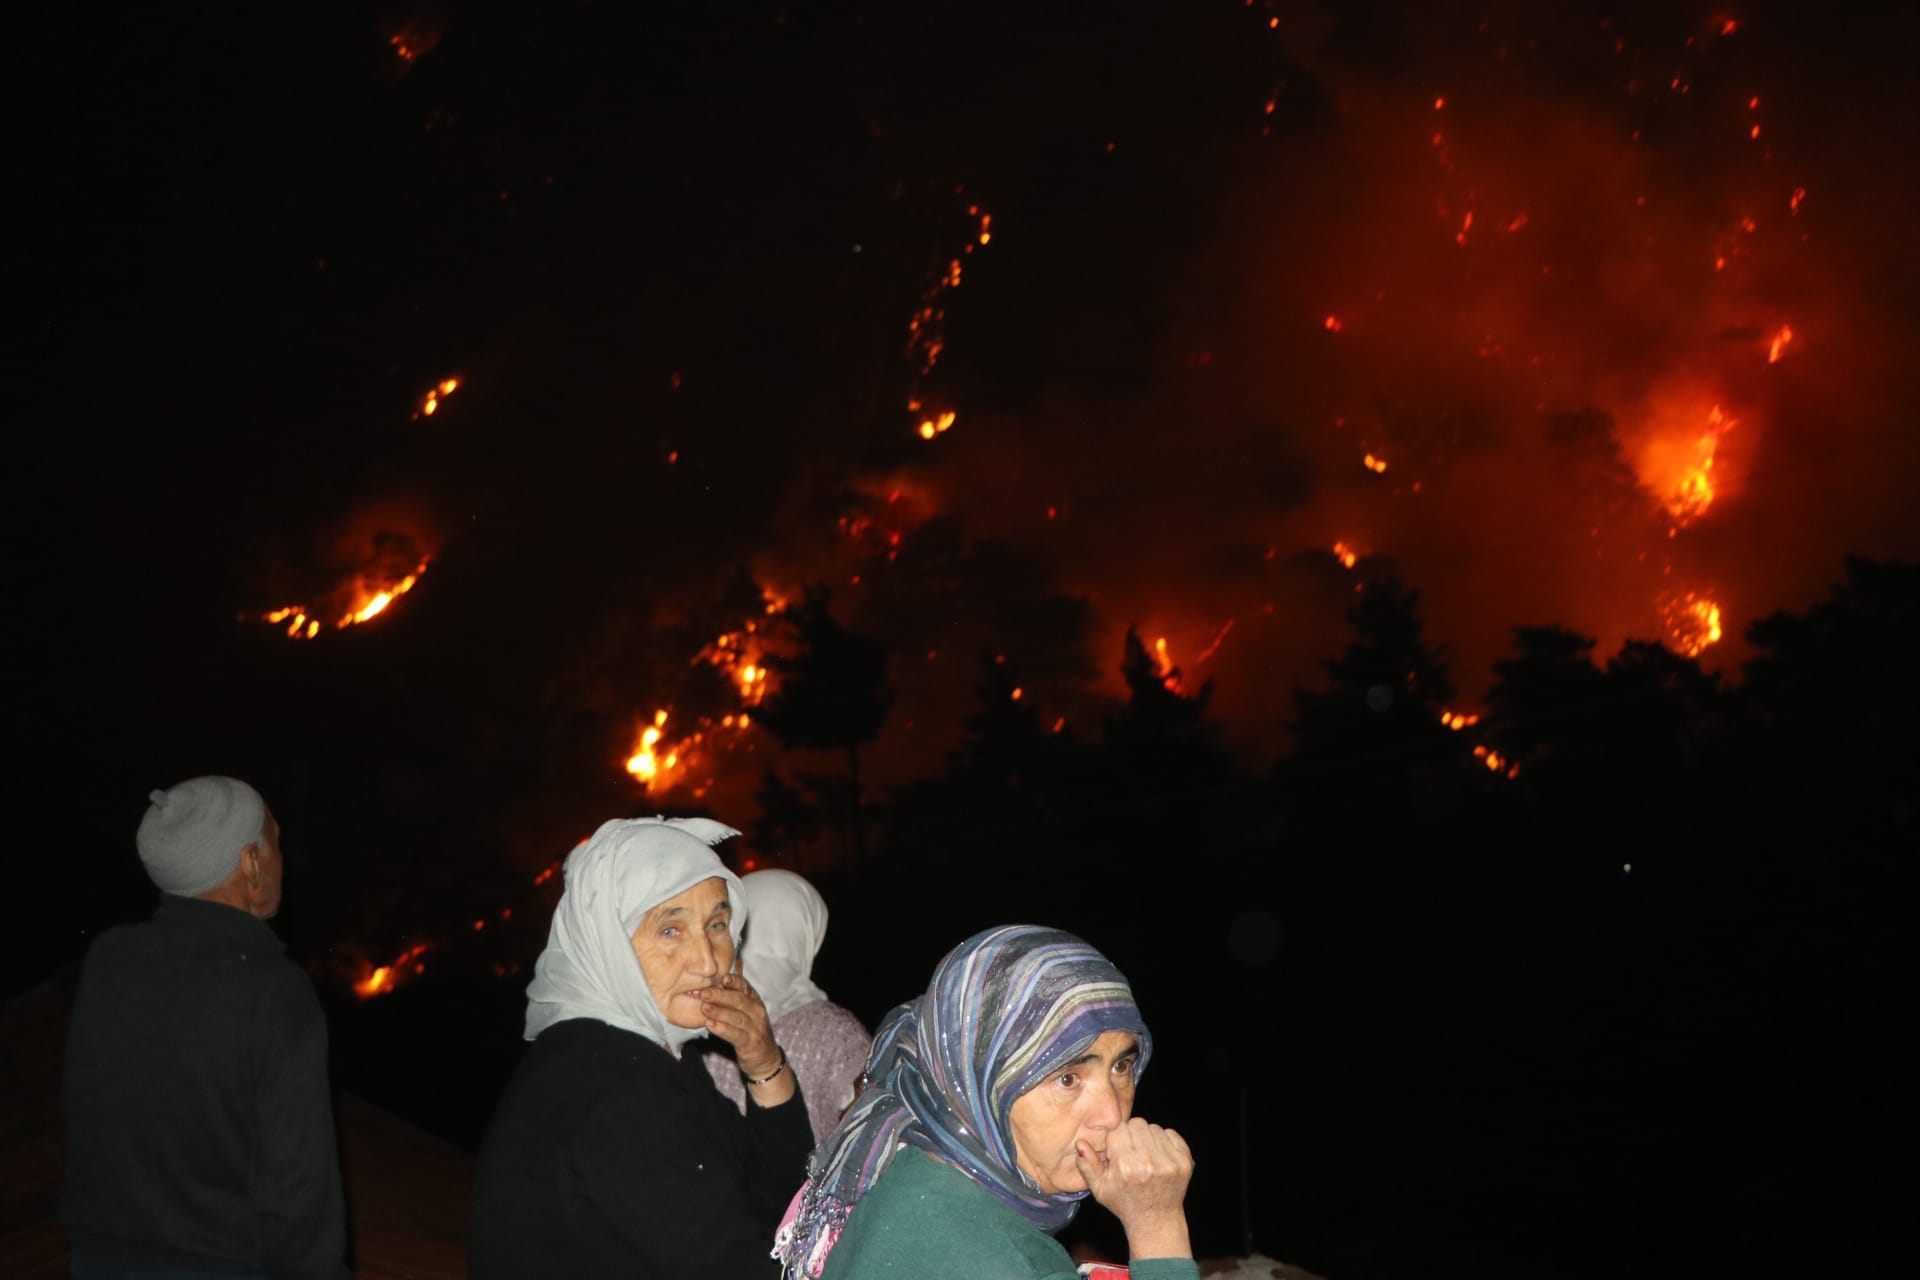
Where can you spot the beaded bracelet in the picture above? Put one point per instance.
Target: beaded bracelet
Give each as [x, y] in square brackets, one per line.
[771, 1076]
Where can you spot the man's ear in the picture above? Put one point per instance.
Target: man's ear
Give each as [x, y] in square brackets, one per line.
[250, 863]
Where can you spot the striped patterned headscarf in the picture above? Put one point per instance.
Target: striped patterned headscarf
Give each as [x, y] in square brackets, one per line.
[1005, 1010]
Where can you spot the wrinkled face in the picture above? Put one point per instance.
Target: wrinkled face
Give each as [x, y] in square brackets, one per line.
[1083, 1101]
[682, 946]
[262, 863]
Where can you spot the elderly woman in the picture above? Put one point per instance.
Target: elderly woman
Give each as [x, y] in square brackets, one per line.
[611, 1154]
[999, 1100]
[826, 1045]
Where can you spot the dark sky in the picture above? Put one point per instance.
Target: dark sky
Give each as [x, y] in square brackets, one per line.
[671, 252]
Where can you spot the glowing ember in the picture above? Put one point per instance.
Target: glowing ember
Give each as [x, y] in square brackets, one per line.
[1346, 555]
[1456, 721]
[1693, 624]
[938, 425]
[1332, 324]
[1375, 464]
[1778, 345]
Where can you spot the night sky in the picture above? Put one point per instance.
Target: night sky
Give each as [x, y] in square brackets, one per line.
[1596, 315]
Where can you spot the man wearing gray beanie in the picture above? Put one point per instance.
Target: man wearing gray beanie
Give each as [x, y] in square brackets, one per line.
[200, 1137]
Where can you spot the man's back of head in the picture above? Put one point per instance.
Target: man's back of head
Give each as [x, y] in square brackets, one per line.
[213, 837]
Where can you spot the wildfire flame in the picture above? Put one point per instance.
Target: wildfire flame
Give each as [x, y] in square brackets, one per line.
[1163, 665]
[430, 402]
[658, 762]
[1693, 624]
[368, 598]
[382, 979]
[1680, 470]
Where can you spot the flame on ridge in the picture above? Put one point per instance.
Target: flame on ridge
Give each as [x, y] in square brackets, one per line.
[368, 597]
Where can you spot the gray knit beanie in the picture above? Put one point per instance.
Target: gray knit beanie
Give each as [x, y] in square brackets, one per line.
[192, 835]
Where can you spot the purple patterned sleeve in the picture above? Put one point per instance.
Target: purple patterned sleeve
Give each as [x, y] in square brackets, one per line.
[828, 1049]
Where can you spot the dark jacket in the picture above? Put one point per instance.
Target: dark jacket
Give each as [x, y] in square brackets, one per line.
[199, 1127]
[609, 1157]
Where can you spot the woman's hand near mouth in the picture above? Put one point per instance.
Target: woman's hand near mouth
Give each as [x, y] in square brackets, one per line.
[1142, 1179]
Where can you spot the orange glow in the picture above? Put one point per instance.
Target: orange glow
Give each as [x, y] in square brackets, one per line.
[1793, 201]
[1346, 555]
[377, 983]
[1438, 103]
[1374, 464]
[1456, 721]
[931, 427]
[1332, 323]
[1779, 344]
[1017, 693]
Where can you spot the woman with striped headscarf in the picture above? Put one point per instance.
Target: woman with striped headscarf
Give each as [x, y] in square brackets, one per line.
[996, 1103]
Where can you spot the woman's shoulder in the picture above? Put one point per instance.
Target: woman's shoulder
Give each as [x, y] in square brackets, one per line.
[929, 1221]
[823, 1019]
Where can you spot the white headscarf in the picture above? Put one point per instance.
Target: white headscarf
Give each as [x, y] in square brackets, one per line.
[789, 924]
[626, 869]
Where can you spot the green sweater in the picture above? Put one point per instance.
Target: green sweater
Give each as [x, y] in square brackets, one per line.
[925, 1220]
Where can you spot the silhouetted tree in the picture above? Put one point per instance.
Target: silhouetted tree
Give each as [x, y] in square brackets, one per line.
[1380, 719]
[1546, 699]
[832, 692]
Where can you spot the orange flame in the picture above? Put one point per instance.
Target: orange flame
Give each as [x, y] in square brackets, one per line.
[1375, 464]
[1779, 344]
[1346, 555]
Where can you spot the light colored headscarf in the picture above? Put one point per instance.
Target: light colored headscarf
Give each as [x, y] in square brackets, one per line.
[1005, 1010]
[789, 924]
[627, 868]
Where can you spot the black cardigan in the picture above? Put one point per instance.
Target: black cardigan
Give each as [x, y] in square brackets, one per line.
[609, 1157]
